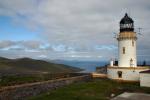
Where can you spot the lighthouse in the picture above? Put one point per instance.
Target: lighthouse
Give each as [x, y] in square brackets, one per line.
[127, 69]
[127, 43]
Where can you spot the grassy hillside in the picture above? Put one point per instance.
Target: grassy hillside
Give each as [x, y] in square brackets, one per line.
[27, 65]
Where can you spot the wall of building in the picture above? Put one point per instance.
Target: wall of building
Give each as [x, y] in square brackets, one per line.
[145, 79]
[129, 74]
[130, 53]
[20, 92]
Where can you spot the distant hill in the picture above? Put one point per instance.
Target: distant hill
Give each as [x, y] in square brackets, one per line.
[31, 66]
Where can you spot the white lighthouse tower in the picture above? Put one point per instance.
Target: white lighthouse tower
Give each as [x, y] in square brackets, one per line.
[127, 68]
[127, 43]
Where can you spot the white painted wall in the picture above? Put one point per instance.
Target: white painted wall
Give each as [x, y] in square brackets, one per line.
[145, 79]
[127, 74]
[130, 52]
[111, 63]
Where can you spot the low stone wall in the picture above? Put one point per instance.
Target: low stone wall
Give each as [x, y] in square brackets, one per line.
[20, 92]
[102, 70]
[99, 75]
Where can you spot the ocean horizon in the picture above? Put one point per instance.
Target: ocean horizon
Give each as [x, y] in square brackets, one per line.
[88, 66]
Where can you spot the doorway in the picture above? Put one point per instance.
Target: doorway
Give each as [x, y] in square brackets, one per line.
[119, 74]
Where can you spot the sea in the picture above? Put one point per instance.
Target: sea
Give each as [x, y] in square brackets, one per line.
[87, 66]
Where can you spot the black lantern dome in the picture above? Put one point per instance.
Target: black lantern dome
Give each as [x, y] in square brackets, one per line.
[126, 24]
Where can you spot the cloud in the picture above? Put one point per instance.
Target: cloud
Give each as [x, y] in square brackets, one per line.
[20, 45]
[33, 49]
[104, 47]
[76, 25]
[5, 44]
[31, 44]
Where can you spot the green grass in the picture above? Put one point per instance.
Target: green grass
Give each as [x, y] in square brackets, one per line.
[10, 80]
[94, 90]
[13, 80]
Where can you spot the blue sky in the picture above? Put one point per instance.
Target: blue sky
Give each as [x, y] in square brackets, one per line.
[69, 29]
[10, 31]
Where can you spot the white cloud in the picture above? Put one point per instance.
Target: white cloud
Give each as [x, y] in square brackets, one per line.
[77, 25]
[5, 44]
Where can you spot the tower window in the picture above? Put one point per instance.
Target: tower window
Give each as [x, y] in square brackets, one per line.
[123, 50]
[119, 74]
[131, 62]
[132, 43]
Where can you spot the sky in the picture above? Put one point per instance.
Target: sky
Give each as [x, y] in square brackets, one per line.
[70, 29]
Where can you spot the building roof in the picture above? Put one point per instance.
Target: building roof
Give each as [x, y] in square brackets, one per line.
[126, 24]
[146, 71]
[126, 20]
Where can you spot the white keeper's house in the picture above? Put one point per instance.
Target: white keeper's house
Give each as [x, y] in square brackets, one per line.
[127, 69]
